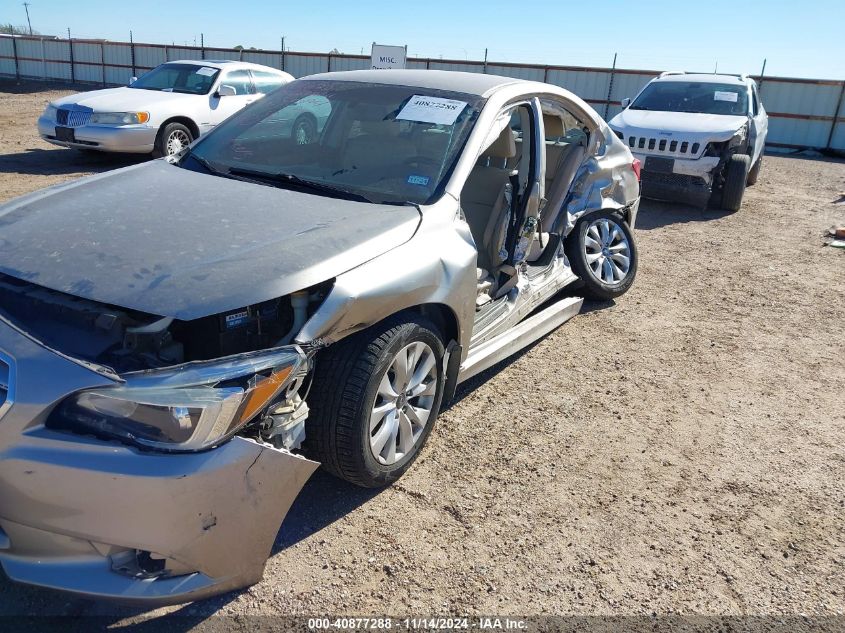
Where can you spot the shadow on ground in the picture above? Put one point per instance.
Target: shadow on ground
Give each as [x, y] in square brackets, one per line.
[655, 214]
[51, 162]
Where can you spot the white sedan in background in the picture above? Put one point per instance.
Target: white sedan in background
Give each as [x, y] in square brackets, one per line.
[160, 112]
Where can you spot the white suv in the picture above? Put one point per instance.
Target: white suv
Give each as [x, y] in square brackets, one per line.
[700, 137]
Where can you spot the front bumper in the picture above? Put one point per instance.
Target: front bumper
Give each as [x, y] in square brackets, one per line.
[689, 181]
[78, 514]
[135, 139]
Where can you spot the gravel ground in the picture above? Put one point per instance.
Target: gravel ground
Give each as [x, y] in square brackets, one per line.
[677, 451]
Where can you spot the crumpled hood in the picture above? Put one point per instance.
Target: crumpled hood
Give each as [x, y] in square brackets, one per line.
[123, 99]
[173, 242]
[705, 127]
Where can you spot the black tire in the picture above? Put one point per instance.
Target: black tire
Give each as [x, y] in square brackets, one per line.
[736, 175]
[304, 130]
[163, 139]
[754, 174]
[346, 381]
[577, 247]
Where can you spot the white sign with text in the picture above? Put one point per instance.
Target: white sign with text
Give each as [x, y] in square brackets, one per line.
[384, 56]
[431, 110]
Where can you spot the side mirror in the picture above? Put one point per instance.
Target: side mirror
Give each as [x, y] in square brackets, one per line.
[132, 80]
[626, 102]
[225, 90]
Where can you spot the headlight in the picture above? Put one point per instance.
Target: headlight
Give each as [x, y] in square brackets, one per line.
[120, 118]
[50, 112]
[189, 407]
[739, 137]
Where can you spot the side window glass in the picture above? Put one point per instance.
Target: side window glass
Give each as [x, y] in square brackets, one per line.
[266, 82]
[755, 104]
[567, 127]
[239, 80]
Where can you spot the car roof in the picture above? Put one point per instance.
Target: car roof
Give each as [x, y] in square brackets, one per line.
[704, 78]
[222, 63]
[468, 83]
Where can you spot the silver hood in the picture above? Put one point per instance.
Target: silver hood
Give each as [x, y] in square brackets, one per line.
[172, 242]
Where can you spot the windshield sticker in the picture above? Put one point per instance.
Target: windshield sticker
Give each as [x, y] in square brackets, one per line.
[418, 180]
[431, 110]
[720, 95]
[205, 71]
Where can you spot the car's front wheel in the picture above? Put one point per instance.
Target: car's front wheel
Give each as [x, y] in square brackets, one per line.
[736, 175]
[602, 252]
[374, 400]
[172, 139]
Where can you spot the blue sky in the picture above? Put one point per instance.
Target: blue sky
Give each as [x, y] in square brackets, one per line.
[803, 39]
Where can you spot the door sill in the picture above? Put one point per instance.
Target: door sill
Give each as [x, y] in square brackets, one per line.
[523, 333]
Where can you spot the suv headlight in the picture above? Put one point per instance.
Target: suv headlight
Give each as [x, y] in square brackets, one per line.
[119, 118]
[189, 407]
[50, 112]
[739, 137]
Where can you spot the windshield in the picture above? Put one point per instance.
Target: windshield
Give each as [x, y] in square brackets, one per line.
[691, 96]
[381, 143]
[186, 78]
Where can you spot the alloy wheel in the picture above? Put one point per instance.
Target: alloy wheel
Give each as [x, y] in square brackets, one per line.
[608, 251]
[403, 403]
[177, 141]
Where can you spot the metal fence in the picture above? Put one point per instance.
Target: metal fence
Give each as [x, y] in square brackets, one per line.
[803, 113]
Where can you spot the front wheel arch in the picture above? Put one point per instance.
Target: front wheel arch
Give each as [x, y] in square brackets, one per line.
[186, 121]
[181, 120]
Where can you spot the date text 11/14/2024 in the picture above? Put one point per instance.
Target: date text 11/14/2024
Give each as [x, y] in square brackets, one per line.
[434, 624]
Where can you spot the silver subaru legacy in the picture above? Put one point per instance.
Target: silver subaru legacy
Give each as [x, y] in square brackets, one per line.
[183, 342]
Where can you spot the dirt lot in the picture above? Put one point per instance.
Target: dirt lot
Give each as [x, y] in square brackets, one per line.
[679, 451]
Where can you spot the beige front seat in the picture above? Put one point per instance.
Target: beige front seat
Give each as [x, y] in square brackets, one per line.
[486, 201]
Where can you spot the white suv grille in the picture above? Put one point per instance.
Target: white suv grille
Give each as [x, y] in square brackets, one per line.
[663, 146]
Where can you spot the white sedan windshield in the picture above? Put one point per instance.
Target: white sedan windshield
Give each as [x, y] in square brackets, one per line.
[382, 143]
[186, 78]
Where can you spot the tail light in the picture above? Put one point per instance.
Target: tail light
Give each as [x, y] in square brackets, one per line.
[637, 166]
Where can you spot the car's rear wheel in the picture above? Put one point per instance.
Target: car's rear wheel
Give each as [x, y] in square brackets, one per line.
[172, 139]
[736, 175]
[374, 400]
[602, 252]
[305, 130]
[754, 174]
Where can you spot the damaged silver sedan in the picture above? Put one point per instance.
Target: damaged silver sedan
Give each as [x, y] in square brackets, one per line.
[183, 341]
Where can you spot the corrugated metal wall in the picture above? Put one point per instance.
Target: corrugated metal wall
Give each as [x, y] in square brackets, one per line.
[802, 112]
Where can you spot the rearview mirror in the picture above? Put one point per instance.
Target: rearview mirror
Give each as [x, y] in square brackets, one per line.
[626, 102]
[132, 80]
[226, 90]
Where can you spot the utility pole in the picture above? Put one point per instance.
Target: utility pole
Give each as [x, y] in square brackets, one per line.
[26, 8]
